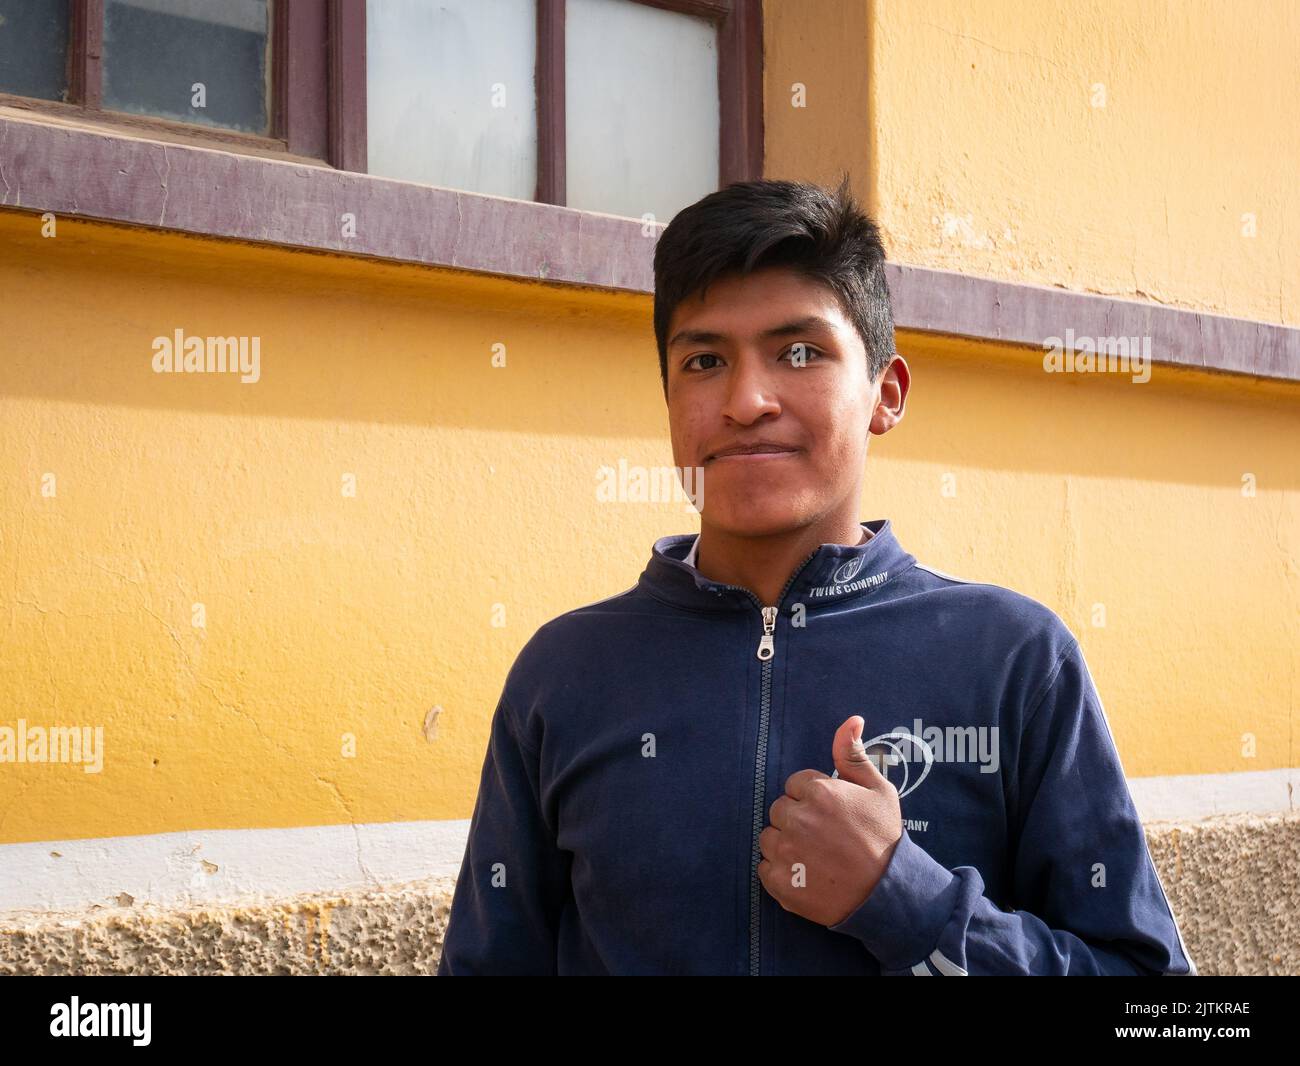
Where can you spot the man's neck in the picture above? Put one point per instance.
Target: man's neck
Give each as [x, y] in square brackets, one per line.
[764, 565]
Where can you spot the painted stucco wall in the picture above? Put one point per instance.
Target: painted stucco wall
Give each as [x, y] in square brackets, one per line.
[1130, 149]
[325, 614]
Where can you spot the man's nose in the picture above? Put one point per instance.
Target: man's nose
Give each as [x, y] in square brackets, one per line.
[751, 391]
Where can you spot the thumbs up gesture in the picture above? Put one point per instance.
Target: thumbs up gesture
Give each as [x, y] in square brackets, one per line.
[830, 839]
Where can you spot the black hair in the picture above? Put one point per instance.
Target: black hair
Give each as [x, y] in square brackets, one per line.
[752, 224]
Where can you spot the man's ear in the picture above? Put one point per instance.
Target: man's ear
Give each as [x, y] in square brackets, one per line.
[895, 380]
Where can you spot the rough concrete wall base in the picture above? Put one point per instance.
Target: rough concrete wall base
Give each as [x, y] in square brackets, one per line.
[394, 931]
[1231, 881]
[1234, 884]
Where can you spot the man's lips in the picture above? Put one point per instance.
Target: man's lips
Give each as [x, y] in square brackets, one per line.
[758, 453]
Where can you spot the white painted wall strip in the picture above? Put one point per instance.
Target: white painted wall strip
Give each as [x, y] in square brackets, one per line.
[169, 869]
[1191, 797]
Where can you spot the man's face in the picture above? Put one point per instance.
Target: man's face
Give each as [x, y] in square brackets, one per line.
[735, 379]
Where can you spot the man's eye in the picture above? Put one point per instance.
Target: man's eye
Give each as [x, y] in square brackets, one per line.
[702, 355]
[802, 353]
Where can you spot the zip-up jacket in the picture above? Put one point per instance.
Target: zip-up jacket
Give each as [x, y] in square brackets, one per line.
[640, 741]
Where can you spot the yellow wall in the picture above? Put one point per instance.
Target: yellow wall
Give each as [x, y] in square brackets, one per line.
[328, 615]
[971, 131]
[325, 614]
[1082, 490]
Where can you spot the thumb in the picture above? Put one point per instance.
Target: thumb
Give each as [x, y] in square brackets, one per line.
[850, 757]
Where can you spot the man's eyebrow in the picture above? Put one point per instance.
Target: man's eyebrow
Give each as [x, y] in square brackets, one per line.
[807, 324]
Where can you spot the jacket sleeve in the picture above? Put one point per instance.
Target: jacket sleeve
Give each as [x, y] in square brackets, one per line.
[513, 881]
[1087, 898]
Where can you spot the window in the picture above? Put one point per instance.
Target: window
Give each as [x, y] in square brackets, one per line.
[653, 146]
[189, 60]
[449, 93]
[34, 48]
[626, 107]
[275, 75]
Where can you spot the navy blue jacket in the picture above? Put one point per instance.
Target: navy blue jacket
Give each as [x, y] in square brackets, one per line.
[640, 741]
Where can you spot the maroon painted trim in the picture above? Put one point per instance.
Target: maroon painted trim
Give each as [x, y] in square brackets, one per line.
[347, 84]
[86, 54]
[102, 175]
[985, 309]
[300, 76]
[714, 10]
[740, 89]
[549, 77]
[98, 175]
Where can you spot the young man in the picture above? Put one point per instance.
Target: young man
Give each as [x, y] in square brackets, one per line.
[791, 748]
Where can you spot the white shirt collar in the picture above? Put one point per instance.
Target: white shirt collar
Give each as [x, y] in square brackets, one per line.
[695, 545]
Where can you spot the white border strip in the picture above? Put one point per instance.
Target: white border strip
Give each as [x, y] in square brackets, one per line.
[228, 865]
[1190, 797]
[225, 865]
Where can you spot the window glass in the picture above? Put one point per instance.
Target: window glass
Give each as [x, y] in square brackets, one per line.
[34, 47]
[450, 98]
[202, 61]
[641, 108]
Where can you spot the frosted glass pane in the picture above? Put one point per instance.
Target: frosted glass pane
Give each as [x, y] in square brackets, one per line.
[641, 108]
[449, 93]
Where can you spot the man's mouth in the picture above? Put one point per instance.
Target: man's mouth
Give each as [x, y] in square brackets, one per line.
[753, 453]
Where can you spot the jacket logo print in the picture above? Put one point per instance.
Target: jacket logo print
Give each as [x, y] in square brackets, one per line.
[886, 751]
[847, 571]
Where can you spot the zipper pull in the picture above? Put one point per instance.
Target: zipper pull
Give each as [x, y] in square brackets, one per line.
[766, 647]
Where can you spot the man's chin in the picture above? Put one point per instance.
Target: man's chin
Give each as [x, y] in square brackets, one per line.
[740, 522]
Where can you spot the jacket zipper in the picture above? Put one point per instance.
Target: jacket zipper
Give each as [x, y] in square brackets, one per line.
[766, 651]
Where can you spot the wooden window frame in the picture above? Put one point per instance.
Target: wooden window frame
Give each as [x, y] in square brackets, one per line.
[317, 98]
[318, 87]
[739, 26]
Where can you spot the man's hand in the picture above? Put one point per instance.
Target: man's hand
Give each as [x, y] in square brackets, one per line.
[830, 839]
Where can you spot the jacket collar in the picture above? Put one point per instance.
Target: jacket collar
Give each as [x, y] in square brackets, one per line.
[836, 573]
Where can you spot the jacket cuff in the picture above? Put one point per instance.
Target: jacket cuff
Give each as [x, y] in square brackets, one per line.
[900, 922]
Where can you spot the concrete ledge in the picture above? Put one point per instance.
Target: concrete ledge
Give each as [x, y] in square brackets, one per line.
[1230, 880]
